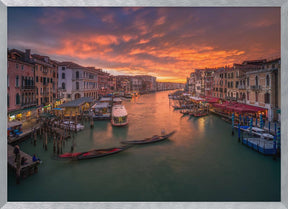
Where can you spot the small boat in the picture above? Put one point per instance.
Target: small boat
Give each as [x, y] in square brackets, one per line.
[119, 116]
[93, 153]
[152, 139]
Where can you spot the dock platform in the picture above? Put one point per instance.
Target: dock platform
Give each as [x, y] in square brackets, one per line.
[26, 134]
[263, 146]
[25, 170]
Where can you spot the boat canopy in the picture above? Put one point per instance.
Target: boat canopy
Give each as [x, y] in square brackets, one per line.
[13, 124]
[119, 111]
[117, 99]
[100, 105]
[105, 99]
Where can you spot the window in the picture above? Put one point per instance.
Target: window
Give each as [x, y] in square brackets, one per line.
[267, 80]
[256, 80]
[63, 75]
[36, 90]
[68, 96]
[63, 68]
[36, 79]
[77, 74]
[17, 99]
[237, 95]
[17, 65]
[63, 86]
[248, 82]
[256, 96]
[17, 81]
[232, 84]
[247, 95]
[22, 67]
[7, 80]
[232, 75]
[267, 98]
[7, 100]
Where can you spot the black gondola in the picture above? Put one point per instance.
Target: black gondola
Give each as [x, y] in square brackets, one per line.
[93, 153]
[152, 139]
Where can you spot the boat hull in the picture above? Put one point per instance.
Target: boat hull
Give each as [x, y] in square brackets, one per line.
[150, 140]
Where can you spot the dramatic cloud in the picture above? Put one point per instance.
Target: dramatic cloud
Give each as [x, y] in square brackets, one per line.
[165, 42]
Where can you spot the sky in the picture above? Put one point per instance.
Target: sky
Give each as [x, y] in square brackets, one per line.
[168, 43]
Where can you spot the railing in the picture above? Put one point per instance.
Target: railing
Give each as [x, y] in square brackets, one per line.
[241, 87]
[27, 87]
[255, 88]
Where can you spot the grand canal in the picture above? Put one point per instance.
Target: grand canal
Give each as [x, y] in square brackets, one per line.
[201, 162]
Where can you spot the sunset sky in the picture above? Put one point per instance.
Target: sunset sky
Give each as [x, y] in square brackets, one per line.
[168, 43]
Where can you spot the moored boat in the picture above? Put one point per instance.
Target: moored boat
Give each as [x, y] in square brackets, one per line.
[93, 153]
[152, 139]
[119, 116]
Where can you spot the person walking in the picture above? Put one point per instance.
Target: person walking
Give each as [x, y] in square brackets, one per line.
[16, 152]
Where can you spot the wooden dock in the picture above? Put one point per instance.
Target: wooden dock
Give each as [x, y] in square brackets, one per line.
[25, 170]
[26, 134]
[61, 132]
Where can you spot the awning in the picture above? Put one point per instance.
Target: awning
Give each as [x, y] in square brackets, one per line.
[16, 112]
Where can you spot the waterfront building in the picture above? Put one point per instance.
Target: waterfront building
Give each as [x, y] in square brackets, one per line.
[76, 81]
[149, 83]
[192, 84]
[236, 90]
[21, 92]
[136, 84]
[112, 83]
[77, 106]
[45, 80]
[263, 88]
[103, 79]
[220, 83]
[208, 81]
[123, 83]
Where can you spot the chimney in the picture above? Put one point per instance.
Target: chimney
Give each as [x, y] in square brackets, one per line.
[27, 54]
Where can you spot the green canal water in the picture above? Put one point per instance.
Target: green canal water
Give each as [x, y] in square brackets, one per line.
[201, 162]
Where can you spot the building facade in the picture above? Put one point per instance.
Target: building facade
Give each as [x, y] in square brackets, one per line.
[20, 81]
[76, 81]
[263, 88]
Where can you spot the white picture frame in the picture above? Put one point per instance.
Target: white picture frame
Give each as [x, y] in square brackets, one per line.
[170, 3]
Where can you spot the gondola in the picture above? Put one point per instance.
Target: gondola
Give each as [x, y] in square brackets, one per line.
[152, 139]
[93, 153]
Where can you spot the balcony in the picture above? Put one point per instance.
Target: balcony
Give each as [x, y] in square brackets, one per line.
[27, 87]
[241, 87]
[256, 88]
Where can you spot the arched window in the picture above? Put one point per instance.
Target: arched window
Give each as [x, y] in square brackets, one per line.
[17, 81]
[77, 74]
[17, 99]
[256, 80]
[77, 85]
[63, 86]
[267, 98]
[237, 95]
[63, 75]
[267, 80]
